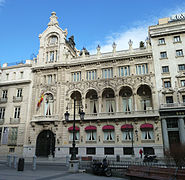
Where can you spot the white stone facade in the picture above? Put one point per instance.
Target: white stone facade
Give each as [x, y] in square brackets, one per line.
[168, 42]
[124, 94]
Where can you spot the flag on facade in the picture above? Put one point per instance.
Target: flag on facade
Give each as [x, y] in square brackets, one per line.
[40, 100]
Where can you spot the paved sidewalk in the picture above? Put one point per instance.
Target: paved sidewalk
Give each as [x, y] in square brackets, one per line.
[47, 172]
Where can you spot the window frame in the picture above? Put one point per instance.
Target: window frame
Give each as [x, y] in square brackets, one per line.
[164, 68]
[163, 55]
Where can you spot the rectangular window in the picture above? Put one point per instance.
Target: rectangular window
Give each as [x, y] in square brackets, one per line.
[109, 135]
[177, 39]
[162, 41]
[167, 84]
[169, 99]
[181, 67]
[4, 94]
[148, 150]
[141, 69]
[19, 92]
[165, 69]
[91, 135]
[91, 74]
[172, 123]
[51, 56]
[71, 149]
[127, 135]
[182, 83]
[7, 76]
[107, 73]
[76, 76]
[49, 79]
[109, 151]
[183, 98]
[91, 150]
[77, 136]
[147, 135]
[22, 73]
[17, 112]
[127, 150]
[179, 52]
[163, 55]
[2, 112]
[12, 138]
[124, 71]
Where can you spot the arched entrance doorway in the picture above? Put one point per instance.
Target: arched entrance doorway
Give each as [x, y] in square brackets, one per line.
[45, 145]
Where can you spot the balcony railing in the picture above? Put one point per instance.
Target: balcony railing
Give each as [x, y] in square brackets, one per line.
[50, 118]
[3, 100]
[14, 120]
[117, 115]
[1, 121]
[17, 99]
[172, 105]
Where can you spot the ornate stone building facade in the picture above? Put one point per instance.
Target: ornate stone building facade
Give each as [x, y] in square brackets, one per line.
[117, 91]
[168, 42]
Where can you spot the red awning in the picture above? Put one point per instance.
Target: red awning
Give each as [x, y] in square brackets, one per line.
[126, 126]
[146, 126]
[108, 127]
[71, 128]
[90, 128]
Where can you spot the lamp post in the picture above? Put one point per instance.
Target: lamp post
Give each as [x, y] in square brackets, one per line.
[132, 134]
[81, 113]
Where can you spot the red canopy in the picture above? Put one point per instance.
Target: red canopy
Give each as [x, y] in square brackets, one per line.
[90, 128]
[146, 126]
[71, 128]
[126, 126]
[108, 127]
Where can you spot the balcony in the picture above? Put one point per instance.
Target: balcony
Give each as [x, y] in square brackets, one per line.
[172, 105]
[1, 121]
[118, 115]
[14, 120]
[40, 119]
[17, 99]
[3, 100]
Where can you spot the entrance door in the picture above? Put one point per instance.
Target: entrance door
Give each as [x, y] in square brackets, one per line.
[45, 144]
[173, 138]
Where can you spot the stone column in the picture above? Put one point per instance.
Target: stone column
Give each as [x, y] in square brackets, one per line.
[100, 104]
[181, 130]
[165, 134]
[117, 103]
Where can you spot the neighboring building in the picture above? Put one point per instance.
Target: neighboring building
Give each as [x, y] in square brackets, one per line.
[117, 91]
[168, 46]
[15, 96]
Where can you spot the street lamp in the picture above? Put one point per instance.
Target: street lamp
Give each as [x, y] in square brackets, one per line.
[132, 140]
[82, 114]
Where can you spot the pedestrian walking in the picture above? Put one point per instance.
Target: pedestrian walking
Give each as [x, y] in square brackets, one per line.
[141, 153]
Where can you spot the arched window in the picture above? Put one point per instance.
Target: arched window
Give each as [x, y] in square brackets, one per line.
[53, 40]
[48, 105]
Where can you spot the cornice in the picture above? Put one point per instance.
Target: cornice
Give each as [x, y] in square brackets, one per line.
[10, 83]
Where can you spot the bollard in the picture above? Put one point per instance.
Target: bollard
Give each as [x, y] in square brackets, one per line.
[15, 161]
[11, 161]
[8, 160]
[67, 161]
[34, 163]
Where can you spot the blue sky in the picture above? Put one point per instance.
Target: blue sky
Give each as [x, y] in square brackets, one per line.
[92, 22]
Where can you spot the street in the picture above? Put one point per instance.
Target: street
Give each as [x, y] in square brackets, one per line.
[47, 172]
